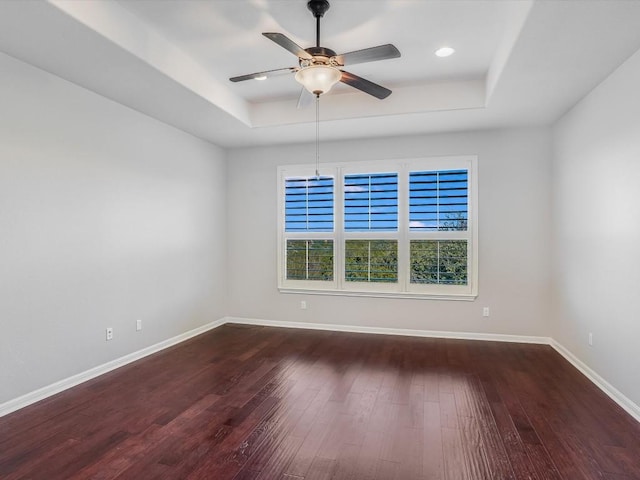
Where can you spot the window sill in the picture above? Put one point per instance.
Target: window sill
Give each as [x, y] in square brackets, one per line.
[470, 297]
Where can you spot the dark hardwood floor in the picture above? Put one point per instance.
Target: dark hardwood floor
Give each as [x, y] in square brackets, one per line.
[267, 403]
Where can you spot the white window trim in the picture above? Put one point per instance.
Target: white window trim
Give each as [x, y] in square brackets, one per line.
[401, 289]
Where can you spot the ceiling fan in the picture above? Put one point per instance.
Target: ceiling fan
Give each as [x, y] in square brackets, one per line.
[320, 68]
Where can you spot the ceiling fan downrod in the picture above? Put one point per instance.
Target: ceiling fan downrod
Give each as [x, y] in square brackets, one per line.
[318, 8]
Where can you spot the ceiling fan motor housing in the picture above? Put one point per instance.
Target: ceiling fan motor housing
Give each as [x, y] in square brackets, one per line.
[321, 56]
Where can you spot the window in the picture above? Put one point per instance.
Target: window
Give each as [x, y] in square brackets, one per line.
[404, 228]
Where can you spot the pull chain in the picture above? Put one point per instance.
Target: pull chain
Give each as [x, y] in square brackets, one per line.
[317, 136]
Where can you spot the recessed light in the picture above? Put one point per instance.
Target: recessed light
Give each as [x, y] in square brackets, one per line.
[263, 77]
[445, 52]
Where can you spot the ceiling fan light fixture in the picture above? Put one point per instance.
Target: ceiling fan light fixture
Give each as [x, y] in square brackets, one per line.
[260, 78]
[318, 79]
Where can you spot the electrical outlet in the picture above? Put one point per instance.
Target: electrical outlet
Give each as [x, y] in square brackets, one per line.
[303, 305]
[590, 339]
[485, 312]
[138, 325]
[109, 333]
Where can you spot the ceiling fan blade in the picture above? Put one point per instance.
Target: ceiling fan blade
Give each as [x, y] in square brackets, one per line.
[288, 44]
[268, 73]
[366, 86]
[305, 99]
[381, 52]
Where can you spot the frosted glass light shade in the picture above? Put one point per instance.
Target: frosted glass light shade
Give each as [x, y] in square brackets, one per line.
[318, 79]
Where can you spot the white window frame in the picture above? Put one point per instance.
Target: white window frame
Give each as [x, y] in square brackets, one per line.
[403, 288]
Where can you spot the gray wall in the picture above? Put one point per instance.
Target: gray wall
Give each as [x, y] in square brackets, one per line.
[107, 216]
[596, 229]
[514, 234]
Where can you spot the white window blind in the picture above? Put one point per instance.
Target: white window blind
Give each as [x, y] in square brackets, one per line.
[309, 204]
[371, 202]
[438, 200]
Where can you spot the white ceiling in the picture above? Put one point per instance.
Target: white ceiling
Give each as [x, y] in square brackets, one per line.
[517, 62]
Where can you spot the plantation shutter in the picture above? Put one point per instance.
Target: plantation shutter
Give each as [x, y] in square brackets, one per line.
[309, 204]
[438, 200]
[371, 202]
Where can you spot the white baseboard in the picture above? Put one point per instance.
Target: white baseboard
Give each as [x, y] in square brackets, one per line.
[49, 390]
[616, 395]
[42, 393]
[496, 337]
